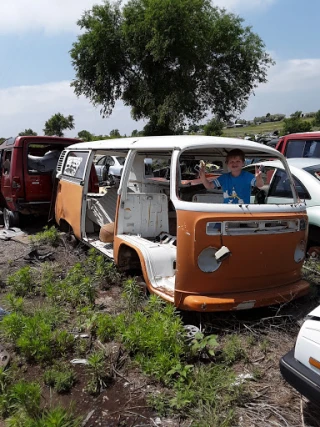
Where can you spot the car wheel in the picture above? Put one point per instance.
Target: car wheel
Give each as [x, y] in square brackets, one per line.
[10, 219]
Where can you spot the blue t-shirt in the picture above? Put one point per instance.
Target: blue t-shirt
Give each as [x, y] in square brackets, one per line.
[236, 190]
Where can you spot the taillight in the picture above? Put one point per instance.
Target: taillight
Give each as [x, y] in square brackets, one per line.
[16, 182]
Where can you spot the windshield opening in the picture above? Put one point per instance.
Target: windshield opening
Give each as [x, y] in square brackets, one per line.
[233, 178]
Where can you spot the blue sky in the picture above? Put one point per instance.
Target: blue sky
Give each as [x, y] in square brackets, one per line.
[35, 72]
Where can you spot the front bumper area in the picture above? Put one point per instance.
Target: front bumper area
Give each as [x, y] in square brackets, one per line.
[300, 377]
[241, 300]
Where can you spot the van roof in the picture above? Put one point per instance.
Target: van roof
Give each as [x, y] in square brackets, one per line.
[9, 142]
[303, 135]
[162, 143]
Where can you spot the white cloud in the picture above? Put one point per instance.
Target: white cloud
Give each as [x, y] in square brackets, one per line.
[241, 5]
[31, 106]
[56, 16]
[52, 16]
[293, 85]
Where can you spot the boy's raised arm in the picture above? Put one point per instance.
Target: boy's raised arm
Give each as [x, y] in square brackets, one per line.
[202, 175]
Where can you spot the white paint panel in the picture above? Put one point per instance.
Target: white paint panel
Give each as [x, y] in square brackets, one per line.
[144, 214]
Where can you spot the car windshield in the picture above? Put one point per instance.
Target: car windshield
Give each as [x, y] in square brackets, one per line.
[121, 160]
[314, 170]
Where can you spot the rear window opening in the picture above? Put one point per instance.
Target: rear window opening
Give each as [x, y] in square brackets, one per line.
[43, 158]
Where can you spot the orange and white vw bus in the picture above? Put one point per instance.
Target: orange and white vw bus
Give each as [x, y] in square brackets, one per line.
[160, 222]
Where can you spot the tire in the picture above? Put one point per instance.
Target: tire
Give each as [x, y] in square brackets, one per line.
[10, 219]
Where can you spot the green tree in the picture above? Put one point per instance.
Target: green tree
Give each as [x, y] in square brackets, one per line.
[213, 127]
[296, 124]
[57, 124]
[115, 133]
[297, 114]
[28, 132]
[172, 61]
[316, 120]
[2, 139]
[85, 135]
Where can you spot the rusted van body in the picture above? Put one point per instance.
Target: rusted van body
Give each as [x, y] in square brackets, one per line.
[191, 249]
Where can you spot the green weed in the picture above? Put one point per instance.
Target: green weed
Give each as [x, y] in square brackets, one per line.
[233, 350]
[12, 326]
[105, 327]
[264, 345]
[59, 417]
[21, 282]
[15, 303]
[155, 336]
[98, 372]
[48, 283]
[207, 396]
[78, 288]
[24, 397]
[104, 272]
[132, 296]
[60, 378]
[56, 417]
[35, 336]
[202, 344]
[49, 236]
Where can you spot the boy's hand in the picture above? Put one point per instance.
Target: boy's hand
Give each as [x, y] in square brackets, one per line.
[258, 175]
[202, 170]
[258, 172]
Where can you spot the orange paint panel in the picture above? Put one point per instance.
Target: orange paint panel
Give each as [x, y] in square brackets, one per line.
[68, 205]
[257, 262]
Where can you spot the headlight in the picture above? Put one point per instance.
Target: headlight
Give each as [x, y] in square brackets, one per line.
[300, 251]
[207, 261]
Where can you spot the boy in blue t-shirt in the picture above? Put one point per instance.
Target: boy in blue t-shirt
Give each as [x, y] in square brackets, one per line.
[237, 183]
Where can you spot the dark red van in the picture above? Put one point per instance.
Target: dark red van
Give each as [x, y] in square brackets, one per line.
[305, 144]
[27, 174]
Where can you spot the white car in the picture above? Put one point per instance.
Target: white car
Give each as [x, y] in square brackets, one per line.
[300, 367]
[107, 166]
[306, 174]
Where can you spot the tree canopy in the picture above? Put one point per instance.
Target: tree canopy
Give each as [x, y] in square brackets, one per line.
[28, 132]
[296, 124]
[57, 124]
[316, 120]
[86, 135]
[213, 127]
[172, 61]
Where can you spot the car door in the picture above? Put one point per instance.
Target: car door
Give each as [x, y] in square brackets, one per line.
[72, 187]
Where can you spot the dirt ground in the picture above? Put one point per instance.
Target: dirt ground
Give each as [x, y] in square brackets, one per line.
[272, 402]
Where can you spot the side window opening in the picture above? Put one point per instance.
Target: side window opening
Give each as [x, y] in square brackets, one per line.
[75, 164]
